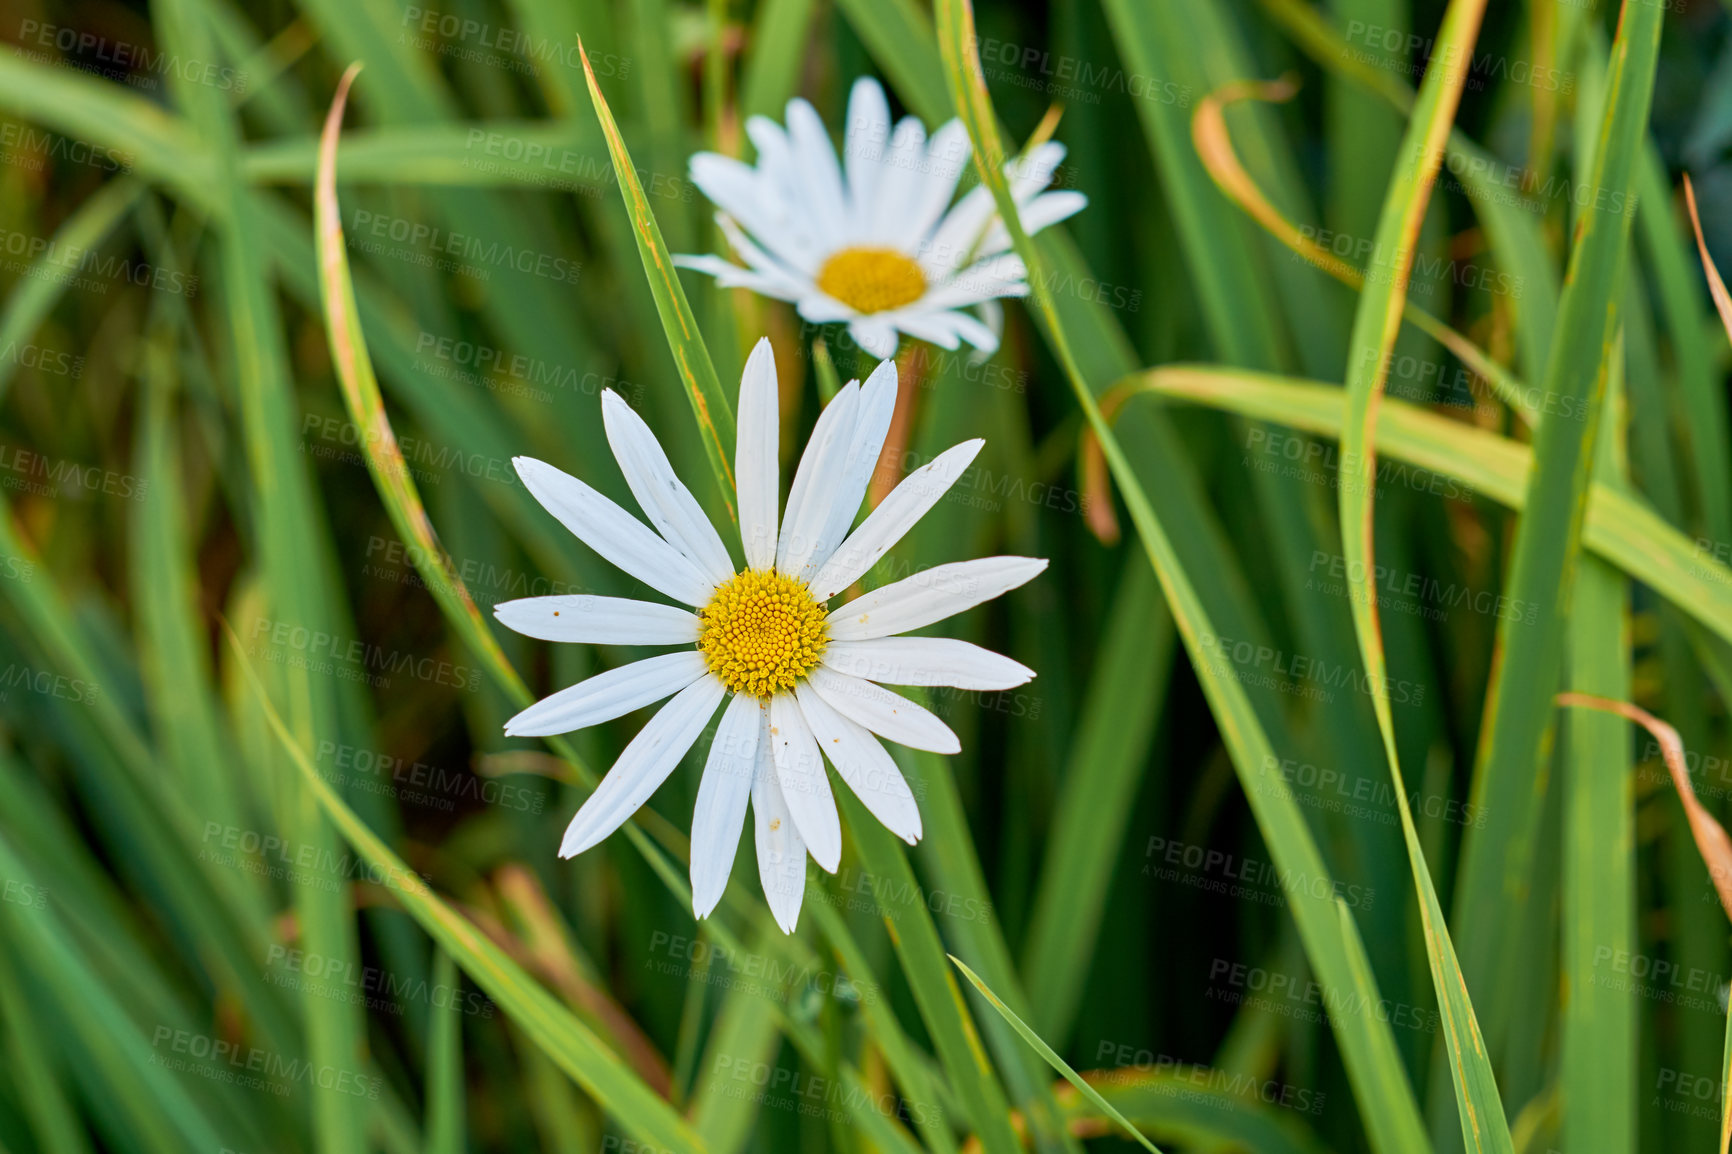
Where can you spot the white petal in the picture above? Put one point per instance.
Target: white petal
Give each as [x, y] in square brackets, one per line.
[643, 766]
[991, 324]
[926, 661]
[757, 469]
[790, 282]
[876, 335]
[721, 806]
[863, 764]
[898, 183]
[889, 715]
[944, 328]
[995, 276]
[820, 308]
[666, 501]
[868, 134]
[733, 276]
[781, 852]
[848, 488]
[780, 183]
[934, 328]
[820, 177]
[947, 154]
[614, 533]
[930, 595]
[1028, 176]
[805, 786]
[608, 695]
[821, 463]
[956, 237]
[971, 229]
[598, 620]
[741, 192]
[894, 516]
[1050, 208]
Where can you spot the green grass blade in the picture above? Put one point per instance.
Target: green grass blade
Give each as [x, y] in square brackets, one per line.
[1617, 527]
[1052, 1059]
[34, 1068]
[710, 407]
[1369, 1048]
[1194, 1108]
[542, 1018]
[34, 295]
[1375, 328]
[941, 1004]
[898, 34]
[1509, 778]
[1107, 754]
[778, 53]
[445, 1085]
[151, 1098]
[1599, 1029]
[391, 474]
[161, 146]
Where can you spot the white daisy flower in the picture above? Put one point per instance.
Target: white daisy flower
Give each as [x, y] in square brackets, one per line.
[870, 241]
[801, 677]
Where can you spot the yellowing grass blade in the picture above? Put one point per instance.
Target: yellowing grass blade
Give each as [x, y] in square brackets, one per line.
[1618, 527]
[1215, 148]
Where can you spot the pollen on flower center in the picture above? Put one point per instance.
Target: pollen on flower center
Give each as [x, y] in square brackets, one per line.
[872, 280]
[761, 632]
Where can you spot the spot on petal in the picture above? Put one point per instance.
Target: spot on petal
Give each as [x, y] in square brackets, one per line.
[775, 824]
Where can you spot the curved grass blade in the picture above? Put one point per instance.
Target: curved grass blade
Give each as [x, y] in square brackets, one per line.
[1375, 328]
[1052, 1059]
[1710, 836]
[162, 147]
[541, 1016]
[1215, 148]
[1517, 241]
[1369, 1050]
[1618, 526]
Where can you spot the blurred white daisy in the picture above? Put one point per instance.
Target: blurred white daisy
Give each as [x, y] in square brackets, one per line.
[801, 678]
[869, 241]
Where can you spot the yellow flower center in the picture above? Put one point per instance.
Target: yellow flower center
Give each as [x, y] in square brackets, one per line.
[872, 280]
[761, 632]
